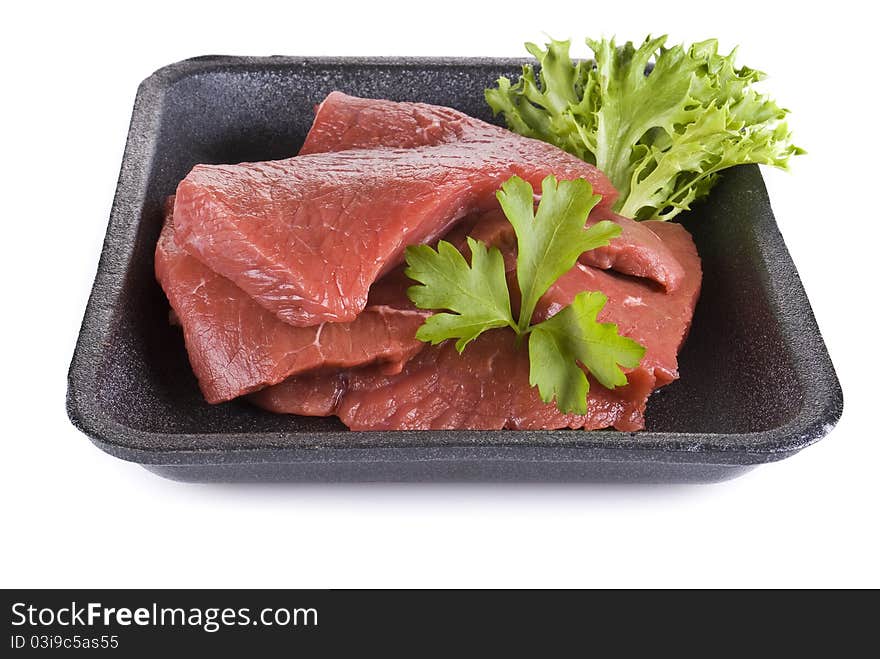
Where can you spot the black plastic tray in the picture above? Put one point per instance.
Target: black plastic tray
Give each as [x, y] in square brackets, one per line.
[756, 384]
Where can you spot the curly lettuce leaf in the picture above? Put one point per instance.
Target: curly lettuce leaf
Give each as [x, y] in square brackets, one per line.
[660, 122]
[544, 107]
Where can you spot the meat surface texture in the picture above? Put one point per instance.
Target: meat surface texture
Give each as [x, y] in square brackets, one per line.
[657, 319]
[487, 387]
[235, 346]
[637, 252]
[307, 236]
[316, 393]
[345, 122]
[287, 277]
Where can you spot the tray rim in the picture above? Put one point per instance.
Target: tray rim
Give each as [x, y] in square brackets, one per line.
[136, 445]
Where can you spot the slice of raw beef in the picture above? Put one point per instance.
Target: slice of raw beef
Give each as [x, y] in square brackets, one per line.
[236, 346]
[307, 236]
[487, 387]
[347, 122]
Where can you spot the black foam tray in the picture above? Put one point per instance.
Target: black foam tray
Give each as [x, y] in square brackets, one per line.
[756, 384]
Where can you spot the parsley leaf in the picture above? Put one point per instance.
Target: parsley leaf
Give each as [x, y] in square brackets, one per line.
[549, 243]
[573, 336]
[477, 293]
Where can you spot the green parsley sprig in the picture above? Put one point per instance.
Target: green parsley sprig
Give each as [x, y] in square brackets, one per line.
[476, 297]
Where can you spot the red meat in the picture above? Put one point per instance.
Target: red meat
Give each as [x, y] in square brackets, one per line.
[487, 387]
[307, 236]
[235, 346]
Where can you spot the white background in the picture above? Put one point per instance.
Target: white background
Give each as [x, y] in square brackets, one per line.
[73, 516]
